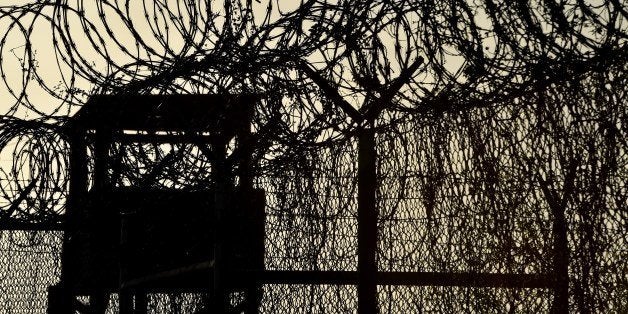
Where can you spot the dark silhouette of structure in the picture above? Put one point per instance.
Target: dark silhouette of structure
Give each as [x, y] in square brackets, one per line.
[135, 239]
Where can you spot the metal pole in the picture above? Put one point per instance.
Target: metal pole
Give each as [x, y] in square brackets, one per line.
[140, 302]
[561, 263]
[102, 143]
[126, 301]
[220, 178]
[101, 155]
[253, 293]
[367, 222]
[77, 191]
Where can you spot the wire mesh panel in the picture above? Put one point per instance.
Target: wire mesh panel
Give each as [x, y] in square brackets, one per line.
[311, 212]
[453, 198]
[405, 299]
[310, 299]
[29, 264]
[489, 189]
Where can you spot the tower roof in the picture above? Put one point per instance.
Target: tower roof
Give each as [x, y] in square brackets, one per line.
[180, 112]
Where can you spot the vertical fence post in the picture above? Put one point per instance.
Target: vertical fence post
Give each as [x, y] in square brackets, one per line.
[367, 222]
[141, 302]
[220, 178]
[245, 178]
[77, 190]
[561, 262]
[102, 144]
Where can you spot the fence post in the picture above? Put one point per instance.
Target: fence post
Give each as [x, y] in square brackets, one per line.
[220, 178]
[561, 262]
[367, 222]
[77, 190]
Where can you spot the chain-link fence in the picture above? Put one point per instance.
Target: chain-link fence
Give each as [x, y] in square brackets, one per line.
[29, 264]
[474, 191]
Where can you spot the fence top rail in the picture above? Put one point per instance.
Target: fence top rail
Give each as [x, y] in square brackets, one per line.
[31, 226]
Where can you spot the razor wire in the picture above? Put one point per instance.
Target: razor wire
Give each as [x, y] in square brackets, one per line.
[487, 113]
